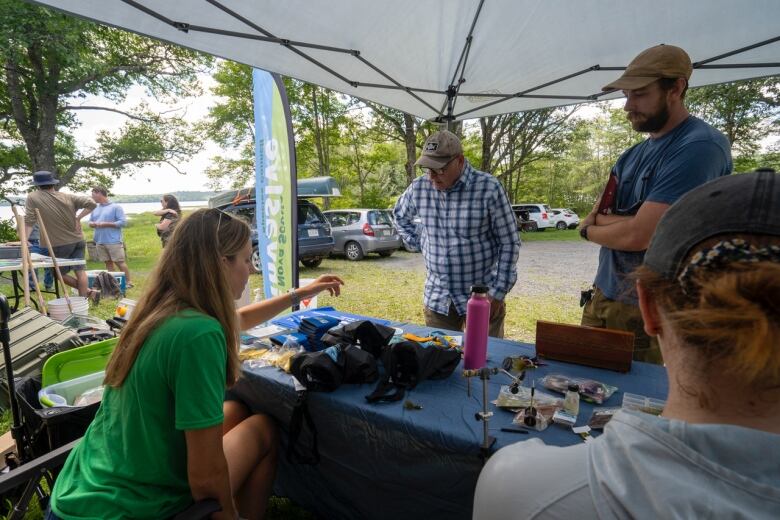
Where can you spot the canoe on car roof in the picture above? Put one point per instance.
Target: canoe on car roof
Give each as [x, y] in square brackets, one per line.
[307, 188]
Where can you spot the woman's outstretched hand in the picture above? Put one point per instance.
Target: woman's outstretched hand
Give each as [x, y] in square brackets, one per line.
[326, 282]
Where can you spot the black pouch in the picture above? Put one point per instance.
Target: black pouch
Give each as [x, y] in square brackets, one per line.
[323, 371]
[372, 337]
[407, 363]
[359, 365]
[318, 371]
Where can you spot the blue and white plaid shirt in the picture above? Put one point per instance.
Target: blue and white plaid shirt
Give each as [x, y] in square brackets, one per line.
[468, 235]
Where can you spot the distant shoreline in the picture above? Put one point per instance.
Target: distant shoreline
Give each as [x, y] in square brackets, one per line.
[183, 196]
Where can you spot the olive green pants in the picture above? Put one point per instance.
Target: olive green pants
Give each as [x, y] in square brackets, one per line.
[453, 321]
[604, 313]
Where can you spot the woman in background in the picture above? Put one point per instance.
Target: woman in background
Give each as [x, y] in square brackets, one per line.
[156, 443]
[709, 289]
[169, 214]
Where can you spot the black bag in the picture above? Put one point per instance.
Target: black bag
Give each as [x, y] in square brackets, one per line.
[372, 337]
[407, 363]
[324, 371]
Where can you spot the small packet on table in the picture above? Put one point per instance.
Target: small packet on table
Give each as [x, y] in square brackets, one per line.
[601, 417]
[522, 399]
[536, 417]
[589, 389]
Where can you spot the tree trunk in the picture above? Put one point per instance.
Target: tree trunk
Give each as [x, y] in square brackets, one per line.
[410, 140]
[317, 131]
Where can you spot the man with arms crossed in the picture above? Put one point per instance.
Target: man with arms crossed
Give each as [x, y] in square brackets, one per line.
[681, 152]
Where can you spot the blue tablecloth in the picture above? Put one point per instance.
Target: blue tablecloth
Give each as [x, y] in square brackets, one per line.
[384, 461]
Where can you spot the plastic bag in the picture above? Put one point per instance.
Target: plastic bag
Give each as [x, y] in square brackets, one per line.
[94, 395]
[589, 389]
[522, 399]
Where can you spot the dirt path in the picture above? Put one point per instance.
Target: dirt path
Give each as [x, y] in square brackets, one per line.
[546, 269]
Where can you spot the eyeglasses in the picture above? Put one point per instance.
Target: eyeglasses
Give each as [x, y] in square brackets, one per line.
[437, 171]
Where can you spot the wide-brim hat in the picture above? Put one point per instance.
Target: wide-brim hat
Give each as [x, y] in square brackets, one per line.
[439, 149]
[44, 178]
[661, 61]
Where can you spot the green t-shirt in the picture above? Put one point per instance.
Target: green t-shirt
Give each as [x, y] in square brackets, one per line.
[132, 462]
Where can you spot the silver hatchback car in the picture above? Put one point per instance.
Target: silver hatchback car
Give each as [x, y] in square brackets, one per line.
[357, 232]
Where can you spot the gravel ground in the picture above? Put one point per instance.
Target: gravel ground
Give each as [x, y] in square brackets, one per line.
[545, 268]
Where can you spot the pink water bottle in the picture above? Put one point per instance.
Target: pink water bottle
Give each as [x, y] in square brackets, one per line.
[477, 322]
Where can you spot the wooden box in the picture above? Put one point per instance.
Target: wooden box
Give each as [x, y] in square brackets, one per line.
[594, 347]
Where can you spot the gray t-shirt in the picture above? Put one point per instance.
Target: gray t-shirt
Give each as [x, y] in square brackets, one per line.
[659, 170]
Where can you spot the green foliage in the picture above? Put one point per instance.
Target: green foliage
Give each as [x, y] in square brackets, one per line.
[57, 65]
[8, 230]
[746, 111]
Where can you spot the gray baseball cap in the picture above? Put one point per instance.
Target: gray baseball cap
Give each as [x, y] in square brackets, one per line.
[746, 203]
[440, 148]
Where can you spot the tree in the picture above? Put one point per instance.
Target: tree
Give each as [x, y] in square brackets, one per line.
[746, 111]
[510, 142]
[405, 128]
[56, 65]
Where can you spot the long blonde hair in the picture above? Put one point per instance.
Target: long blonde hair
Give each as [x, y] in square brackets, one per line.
[190, 275]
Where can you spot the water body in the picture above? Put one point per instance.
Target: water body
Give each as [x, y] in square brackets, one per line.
[131, 208]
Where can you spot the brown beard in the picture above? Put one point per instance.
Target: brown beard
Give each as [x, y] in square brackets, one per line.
[654, 122]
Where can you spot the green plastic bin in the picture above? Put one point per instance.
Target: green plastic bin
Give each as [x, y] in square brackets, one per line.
[77, 362]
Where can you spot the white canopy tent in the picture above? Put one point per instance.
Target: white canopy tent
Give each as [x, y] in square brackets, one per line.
[459, 59]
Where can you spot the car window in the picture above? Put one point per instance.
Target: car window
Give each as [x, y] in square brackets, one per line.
[381, 218]
[546, 208]
[353, 218]
[309, 214]
[556, 212]
[532, 209]
[336, 219]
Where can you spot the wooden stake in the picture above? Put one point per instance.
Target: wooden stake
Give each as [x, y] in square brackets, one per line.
[25, 265]
[45, 236]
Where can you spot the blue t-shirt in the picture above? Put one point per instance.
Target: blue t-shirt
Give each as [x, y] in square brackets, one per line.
[110, 212]
[660, 170]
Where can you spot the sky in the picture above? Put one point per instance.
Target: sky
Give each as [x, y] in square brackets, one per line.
[151, 179]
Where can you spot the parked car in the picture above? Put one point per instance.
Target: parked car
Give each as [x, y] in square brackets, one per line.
[538, 213]
[565, 218]
[315, 240]
[357, 232]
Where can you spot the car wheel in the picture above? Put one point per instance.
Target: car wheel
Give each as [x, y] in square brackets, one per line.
[353, 251]
[561, 225]
[385, 254]
[256, 259]
[312, 262]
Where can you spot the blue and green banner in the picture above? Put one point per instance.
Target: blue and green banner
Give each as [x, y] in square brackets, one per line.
[275, 184]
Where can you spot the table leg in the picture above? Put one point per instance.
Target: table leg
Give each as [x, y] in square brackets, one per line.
[15, 283]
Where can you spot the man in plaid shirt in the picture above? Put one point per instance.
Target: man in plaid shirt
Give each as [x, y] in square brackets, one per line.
[468, 234]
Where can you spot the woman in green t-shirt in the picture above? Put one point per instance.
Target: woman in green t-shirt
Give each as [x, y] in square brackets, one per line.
[156, 443]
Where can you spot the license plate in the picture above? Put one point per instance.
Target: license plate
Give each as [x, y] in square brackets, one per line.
[313, 232]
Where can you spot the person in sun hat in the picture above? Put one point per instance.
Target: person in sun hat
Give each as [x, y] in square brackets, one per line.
[709, 290]
[467, 235]
[680, 153]
[63, 224]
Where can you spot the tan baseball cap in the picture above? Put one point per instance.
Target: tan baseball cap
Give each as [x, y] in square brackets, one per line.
[661, 61]
[439, 149]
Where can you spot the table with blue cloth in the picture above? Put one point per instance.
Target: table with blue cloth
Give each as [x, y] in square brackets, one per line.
[386, 461]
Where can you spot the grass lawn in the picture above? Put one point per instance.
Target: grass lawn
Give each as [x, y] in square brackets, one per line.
[373, 287]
